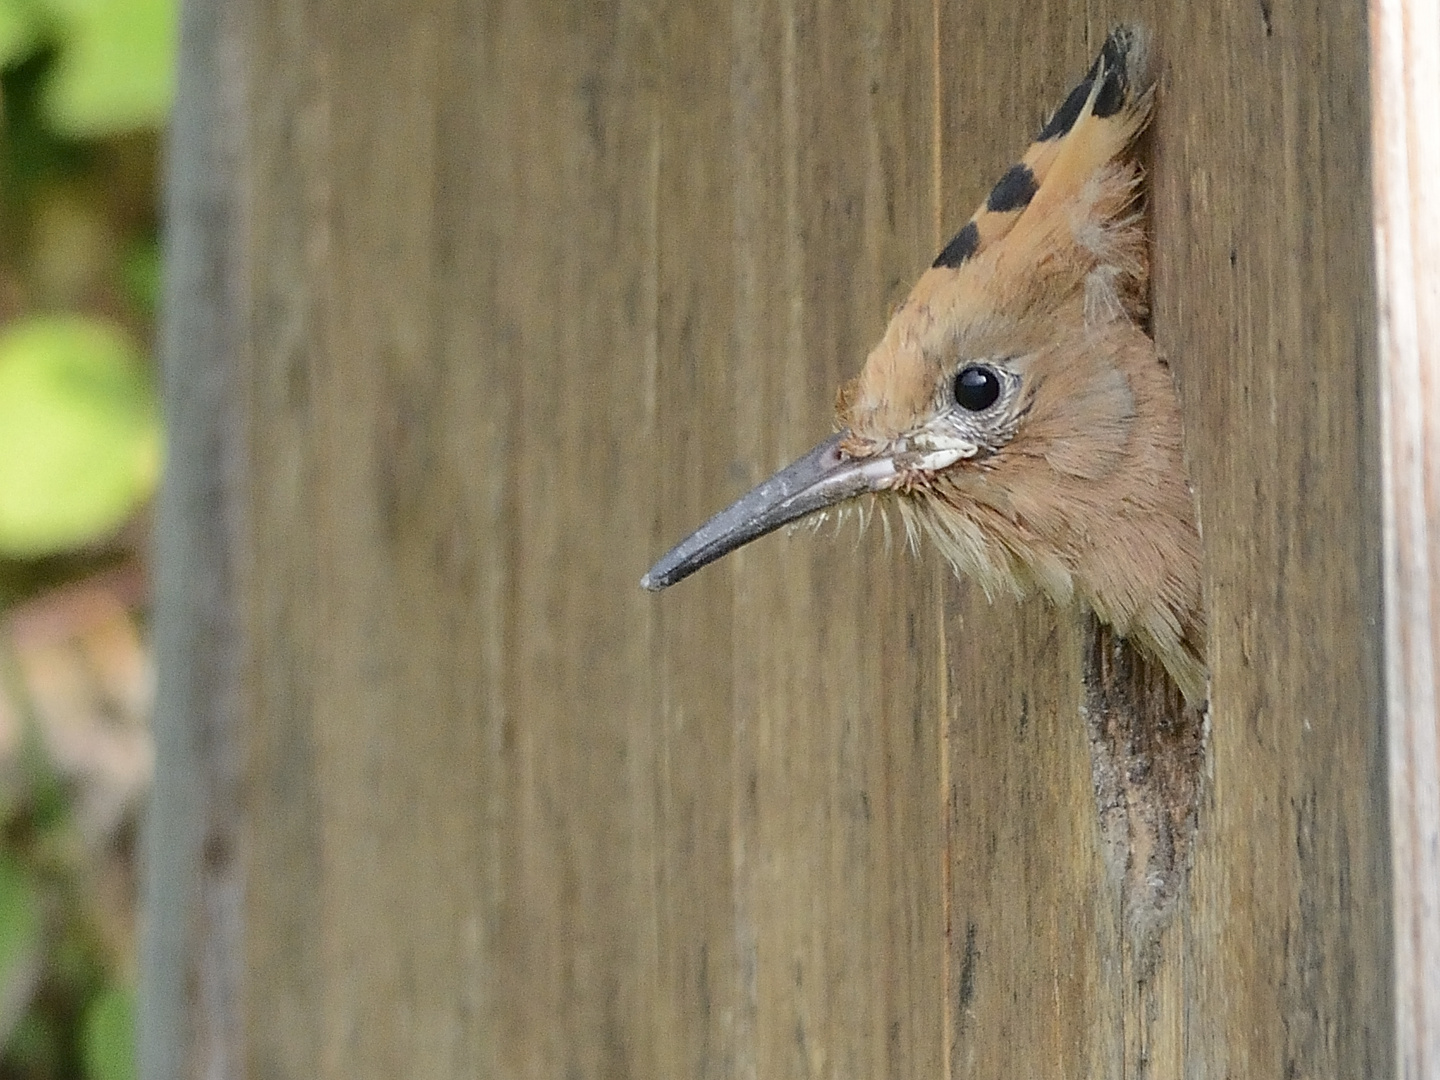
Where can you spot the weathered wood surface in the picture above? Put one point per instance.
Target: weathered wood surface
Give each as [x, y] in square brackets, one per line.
[1406, 90]
[530, 290]
[192, 937]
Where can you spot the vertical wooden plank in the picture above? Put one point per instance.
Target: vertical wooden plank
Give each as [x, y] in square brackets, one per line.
[450, 842]
[191, 949]
[362, 757]
[1264, 299]
[691, 457]
[1405, 88]
[1277, 959]
[707, 407]
[578, 289]
[285, 976]
[1030, 917]
[837, 836]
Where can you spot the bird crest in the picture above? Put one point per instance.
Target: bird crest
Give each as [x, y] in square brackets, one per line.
[1014, 409]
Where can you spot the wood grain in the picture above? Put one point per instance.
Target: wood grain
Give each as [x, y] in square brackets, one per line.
[837, 890]
[533, 288]
[1277, 962]
[192, 937]
[1265, 301]
[1405, 86]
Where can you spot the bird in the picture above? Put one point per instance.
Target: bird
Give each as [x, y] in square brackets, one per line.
[1015, 410]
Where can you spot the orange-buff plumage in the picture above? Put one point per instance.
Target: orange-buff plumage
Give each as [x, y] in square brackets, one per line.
[1015, 409]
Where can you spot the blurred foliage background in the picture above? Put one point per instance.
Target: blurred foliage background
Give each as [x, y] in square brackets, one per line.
[85, 88]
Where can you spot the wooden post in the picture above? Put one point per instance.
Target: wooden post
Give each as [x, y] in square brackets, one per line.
[193, 921]
[523, 292]
[1406, 89]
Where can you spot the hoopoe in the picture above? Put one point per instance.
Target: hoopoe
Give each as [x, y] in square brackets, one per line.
[1015, 409]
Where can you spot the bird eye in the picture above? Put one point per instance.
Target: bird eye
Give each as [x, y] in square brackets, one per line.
[976, 388]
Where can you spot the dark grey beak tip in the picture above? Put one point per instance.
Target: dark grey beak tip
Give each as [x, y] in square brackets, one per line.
[821, 478]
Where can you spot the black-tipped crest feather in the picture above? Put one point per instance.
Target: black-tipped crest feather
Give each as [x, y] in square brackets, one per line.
[1122, 69]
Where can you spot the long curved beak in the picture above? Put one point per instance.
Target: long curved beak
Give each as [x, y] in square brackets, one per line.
[821, 478]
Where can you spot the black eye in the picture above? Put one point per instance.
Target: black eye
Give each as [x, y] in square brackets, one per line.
[976, 388]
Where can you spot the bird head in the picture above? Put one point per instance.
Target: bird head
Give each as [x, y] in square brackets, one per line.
[1014, 409]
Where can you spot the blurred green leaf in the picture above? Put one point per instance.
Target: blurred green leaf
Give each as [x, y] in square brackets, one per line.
[79, 434]
[115, 71]
[19, 939]
[19, 916]
[110, 1037]
[140, 275]
[18, 31]
[32, 1050]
